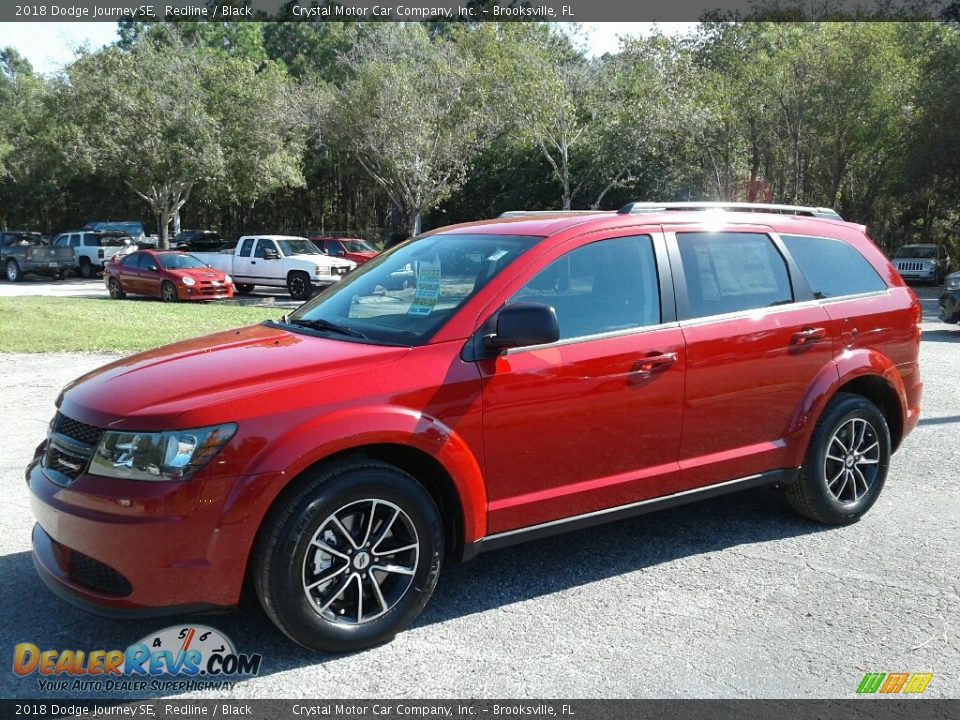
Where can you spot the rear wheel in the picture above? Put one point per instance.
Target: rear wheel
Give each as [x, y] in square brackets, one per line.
[14, 274]
[244, 289]
[846, 463]
[350, 559]
[116, 291]
[298, 283]
[168, 293]
[86, 268]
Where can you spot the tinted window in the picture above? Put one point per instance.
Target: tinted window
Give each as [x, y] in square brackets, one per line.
[132, 261]
[602, 287]
[246, 247]
[75, 241]
[732, 272]
[831, 267]
[263, 246]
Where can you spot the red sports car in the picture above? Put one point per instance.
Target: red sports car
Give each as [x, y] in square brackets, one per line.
[171, 275]
[348, 248]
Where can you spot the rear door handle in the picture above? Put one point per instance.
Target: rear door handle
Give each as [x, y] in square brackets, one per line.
[808, 336]
[649, 365]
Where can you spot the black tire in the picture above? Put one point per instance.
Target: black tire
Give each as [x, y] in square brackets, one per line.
[298, 283]
[244, 288]
[115, 289]
[168, 292]
[86, 269]
[838, 455]
[13, 271]
[328, 616]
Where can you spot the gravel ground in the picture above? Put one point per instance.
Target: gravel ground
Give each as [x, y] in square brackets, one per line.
[734, 597]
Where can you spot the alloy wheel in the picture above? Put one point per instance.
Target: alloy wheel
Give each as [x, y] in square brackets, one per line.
[852, 460]
[361, 561]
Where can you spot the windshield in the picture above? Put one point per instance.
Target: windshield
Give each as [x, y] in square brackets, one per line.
[299, 246]
[917, 251]
[180, 262]
[28, 238]
[405, 295]
[134, 229]
[357, 246]
[115, 240]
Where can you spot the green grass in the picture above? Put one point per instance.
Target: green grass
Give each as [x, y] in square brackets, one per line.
[49, 324]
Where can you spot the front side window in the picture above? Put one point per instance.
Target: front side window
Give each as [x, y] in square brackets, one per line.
[62, 241]
[602, 287]
[732, 272]
[263, 246]
[404, 296]
[832, 268]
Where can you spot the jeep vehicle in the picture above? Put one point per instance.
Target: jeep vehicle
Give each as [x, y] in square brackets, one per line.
[22, 252]
[574, 369]
[93, 249]
[922, 262]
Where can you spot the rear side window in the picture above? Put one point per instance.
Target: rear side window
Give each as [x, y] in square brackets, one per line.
[732, 272]
[832, 267]
[246, 247]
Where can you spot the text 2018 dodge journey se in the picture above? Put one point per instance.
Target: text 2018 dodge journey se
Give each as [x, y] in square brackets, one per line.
[473, 387]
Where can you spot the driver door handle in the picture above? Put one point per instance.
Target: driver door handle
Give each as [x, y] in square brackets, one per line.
[649, 365]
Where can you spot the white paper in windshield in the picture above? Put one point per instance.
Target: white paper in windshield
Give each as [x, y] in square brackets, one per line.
[428, 288]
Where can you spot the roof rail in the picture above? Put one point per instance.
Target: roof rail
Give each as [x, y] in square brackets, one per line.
[645, 207]
[525, 213]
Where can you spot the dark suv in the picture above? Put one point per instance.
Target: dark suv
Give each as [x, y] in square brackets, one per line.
[538, 374]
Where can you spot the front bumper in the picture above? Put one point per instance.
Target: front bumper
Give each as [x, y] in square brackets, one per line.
[204, 292]
[950, 307]
[134, 549]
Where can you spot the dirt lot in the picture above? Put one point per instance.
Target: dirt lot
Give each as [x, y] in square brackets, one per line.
[734, 597]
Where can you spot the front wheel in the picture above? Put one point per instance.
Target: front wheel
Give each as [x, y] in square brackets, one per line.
[14, 274]
[846, 463]
[351, 558]
[116, 291]
[168, 293]
[298, 283]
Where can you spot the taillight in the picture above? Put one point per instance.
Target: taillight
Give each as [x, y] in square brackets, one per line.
[100, 253]
[29, 254]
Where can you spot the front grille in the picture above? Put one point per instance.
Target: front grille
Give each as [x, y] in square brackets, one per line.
[913, 266]
[95, 575]
[87, 434]
[64, 463]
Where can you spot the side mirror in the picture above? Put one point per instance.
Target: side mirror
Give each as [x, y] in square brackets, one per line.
[152, 268]
[522, 325]
[271, 255]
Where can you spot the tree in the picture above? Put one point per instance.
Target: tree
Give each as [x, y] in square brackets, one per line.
[168, 118]
[406, 113]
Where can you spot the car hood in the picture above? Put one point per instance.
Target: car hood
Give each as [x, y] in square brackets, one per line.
[184, 384]
[323, 260]
[197, 273]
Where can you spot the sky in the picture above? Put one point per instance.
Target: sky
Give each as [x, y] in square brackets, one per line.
[51, 45]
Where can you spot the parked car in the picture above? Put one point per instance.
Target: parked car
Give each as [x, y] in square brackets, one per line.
[591, 368]
[950, 299]
[922, 262]
[201, 241]
[279, 261]
[349, 248]
[170, 275]
[133, 228]
[23, 251]
[93, 249]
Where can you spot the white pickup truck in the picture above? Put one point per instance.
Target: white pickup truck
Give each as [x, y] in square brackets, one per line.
[278, 261]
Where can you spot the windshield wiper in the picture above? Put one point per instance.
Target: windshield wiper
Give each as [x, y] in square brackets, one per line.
[321, 324]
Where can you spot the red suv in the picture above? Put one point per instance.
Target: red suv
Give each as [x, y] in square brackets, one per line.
[539, 373]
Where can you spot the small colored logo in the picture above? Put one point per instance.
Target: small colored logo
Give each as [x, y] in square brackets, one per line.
[196, 654]
[894, 683]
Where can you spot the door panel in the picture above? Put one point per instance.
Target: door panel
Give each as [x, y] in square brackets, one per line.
[752, 352]
[594, 420]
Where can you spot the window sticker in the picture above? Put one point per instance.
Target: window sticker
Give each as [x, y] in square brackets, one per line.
[428, 288]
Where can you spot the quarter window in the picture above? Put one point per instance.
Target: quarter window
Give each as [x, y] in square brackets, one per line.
[246, 247]
[732, 272]
[602, 287]
[832, 267]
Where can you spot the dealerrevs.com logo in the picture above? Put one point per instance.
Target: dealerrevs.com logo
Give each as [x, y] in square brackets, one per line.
[178, 658]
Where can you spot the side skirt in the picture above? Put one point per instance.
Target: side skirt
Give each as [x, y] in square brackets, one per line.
[578, 522]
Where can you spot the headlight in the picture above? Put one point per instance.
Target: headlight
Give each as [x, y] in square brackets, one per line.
[323, 270]
[953, 283]
[175, 455]
[189, 280]
[227, 279]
